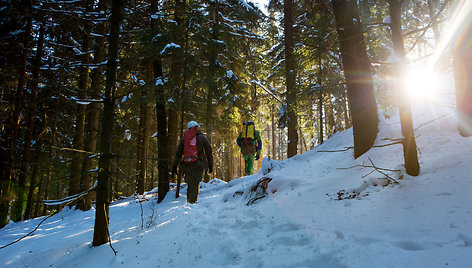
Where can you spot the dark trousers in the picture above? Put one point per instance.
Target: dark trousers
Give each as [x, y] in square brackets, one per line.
[193, 175]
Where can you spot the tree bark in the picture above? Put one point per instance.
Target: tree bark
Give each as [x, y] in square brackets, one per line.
[212, 74]
[162, 149]
[93, 112]
[143, 143]
[18, 205]
[330, 120]
[274, 152]
[55, 115]
[37, 175]
[30, 123]
[409, 143]
[347, 120]
[320, 102]
[100, 234]
[358, 77]
[78, 143]
[212, 68]
[175, 77]
[290, 78]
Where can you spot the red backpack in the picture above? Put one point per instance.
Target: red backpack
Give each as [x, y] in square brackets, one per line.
[190, 145]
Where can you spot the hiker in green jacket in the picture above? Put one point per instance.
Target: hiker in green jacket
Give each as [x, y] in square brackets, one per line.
[249, 140]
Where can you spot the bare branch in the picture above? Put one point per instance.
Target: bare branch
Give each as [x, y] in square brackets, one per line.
[386, 175]
[434, 120]
[54, 213]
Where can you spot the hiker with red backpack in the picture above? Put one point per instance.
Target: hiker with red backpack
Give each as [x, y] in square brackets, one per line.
[197, 156]
[249, 140]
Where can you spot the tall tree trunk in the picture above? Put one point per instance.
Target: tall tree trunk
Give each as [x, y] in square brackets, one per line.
[274, 152]
[462, 56]
[17, 210]
[93, 112]
[151, 182]
[78, 143]
[37, 175]
[320, 115]
[117, 191]
[330, 120]
[38, 171]
[52, 141]
[212, 74]
[358, 76]
[240, 174]
[212, 68]
[290, 78]
[175, 77]
[100, 234]
[143, 142]
[230, 158]
[162, 149]
[409, 143]
[347, 120]
[30, 122]
[33, 184]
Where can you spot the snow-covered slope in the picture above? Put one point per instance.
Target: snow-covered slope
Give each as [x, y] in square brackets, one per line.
[323, 209]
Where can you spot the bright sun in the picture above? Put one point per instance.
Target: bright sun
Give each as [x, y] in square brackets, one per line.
[421, 83]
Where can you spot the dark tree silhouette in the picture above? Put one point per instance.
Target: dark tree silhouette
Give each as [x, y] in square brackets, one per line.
[358, 76]
[100, 234]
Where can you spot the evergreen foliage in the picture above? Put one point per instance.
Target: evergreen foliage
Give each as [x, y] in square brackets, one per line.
[217, 62]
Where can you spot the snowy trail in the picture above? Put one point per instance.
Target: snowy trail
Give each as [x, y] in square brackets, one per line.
[423, 221]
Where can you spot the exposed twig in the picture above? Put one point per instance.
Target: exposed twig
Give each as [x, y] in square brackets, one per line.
[108, 231]
[268, 91]
[54, 213]
[372, 171]
[141, 205]
[433, 120]
[390, 139]
[347, 148]
[28, 234]
[386, 169]
[72, 149]
[388, 144]
[333, 151]
[383, 173]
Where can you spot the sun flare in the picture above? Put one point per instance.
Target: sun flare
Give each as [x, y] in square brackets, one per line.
[421, 83]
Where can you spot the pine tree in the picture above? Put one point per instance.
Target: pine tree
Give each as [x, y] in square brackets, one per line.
[358, 77]
[409, 143]
[93, 112]
[100, 234]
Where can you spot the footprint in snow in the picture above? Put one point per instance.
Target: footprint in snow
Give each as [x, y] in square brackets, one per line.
[285, 227]
[444, 194]
[293, 240]
[413, 246]
[467, 240]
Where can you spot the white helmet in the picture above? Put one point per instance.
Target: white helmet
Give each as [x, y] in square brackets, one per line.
[192, 124]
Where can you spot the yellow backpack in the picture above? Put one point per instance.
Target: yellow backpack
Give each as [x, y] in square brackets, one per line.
[248, 131]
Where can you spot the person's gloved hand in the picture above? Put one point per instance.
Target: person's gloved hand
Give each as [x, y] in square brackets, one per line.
[258, 155]
[174, 170]
[210, 169]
